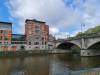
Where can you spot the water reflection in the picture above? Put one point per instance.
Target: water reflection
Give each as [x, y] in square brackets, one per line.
[90, 62]
[58, 68]
[46, 65]
[38, 65]
[18, 69]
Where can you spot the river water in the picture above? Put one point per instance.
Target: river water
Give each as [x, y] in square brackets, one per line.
[57, 64]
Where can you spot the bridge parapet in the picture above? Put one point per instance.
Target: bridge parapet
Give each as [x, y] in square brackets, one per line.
[90, 35]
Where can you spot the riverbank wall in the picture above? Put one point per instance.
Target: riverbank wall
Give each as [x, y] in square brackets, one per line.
[95, 71]
[90, 52]
[31, 52]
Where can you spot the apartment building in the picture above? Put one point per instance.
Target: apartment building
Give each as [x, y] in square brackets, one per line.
[37, 34]
[36, 37]
[5, 35]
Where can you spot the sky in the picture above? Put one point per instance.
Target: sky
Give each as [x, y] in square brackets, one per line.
[64, 17]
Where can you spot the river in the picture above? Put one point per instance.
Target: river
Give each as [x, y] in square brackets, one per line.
[57, 64]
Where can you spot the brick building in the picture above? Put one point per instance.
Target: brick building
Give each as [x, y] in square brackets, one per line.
[37, 34]
[5, 35]
[36, 37]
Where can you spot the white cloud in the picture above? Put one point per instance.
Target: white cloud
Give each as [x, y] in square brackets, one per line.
[54, 30]
[56, 13]
[62, 35]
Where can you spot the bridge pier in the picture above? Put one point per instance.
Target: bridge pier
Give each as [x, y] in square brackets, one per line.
[89, 52]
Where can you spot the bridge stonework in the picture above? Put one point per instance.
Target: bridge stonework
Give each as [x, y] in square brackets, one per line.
[84, 44]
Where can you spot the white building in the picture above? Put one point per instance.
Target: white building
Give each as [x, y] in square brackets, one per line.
[51, 43]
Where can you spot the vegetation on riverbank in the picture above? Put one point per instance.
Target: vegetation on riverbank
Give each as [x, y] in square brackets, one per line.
[90, 31]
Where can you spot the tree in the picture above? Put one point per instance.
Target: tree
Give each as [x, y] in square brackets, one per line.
[93, 30]
[89, 31]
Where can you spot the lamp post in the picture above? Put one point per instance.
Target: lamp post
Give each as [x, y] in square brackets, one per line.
[82, 39]
[82, 25]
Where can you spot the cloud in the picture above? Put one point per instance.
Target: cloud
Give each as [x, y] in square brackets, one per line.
[62, 35]
[58, 14]
[54, 30]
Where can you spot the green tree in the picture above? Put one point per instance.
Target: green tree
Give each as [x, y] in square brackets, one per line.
[89, 31]
[93, 30]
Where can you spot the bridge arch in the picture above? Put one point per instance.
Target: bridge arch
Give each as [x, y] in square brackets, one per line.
[66, 45]
[93, 42]
[95, 45]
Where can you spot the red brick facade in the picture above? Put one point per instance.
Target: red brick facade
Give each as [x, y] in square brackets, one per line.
[34, 28]
[5, 36]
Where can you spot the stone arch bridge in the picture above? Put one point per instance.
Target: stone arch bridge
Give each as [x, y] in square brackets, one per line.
[88, 44]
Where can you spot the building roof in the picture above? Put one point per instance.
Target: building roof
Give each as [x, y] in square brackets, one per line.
[6, 23]
[34, 20]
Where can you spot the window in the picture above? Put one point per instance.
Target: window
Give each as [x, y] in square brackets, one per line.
[37, 37]
[36, 47]
[45, 43]
[6, 38]
[37, 27]
[1, 31]
[88, 53]
[83, 52]
[36, 43]
[0, 37]
[0, 42]
[5, 42]
[42, 43]
[37, 31]
[5, 32]
[29, 43]
[42, 38]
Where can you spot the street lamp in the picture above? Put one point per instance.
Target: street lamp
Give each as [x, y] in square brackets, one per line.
[82, 25]
[82, 39]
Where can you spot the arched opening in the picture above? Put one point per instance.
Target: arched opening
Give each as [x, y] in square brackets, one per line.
[95, 46]
[22, 47]
[68, 46]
